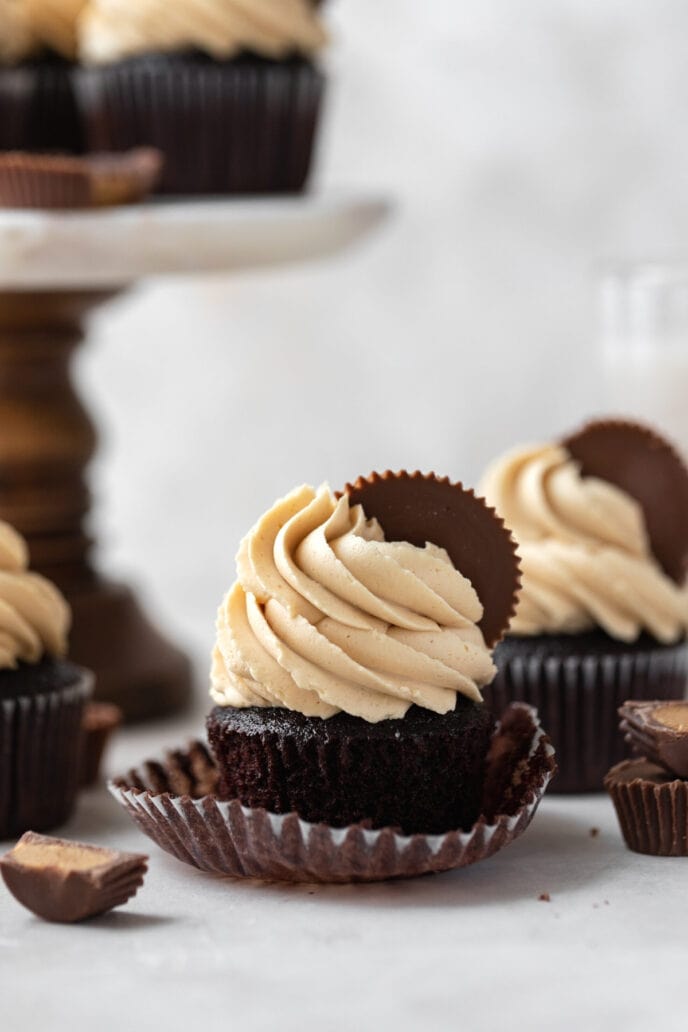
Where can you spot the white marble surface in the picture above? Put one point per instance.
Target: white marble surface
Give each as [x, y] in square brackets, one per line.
[472, 949]
[116, 247]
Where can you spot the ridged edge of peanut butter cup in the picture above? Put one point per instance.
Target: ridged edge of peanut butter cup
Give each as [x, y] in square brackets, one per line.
[224, 837]
[419, 507]
[43, 181]
[64, 892]
[640, 461]
[55, 182]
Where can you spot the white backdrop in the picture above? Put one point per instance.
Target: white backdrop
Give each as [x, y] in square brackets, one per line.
[523, 141]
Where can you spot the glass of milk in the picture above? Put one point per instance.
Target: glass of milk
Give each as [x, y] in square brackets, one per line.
[644, 344]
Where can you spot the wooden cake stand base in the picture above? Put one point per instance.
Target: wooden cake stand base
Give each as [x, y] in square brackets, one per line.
[54, 269]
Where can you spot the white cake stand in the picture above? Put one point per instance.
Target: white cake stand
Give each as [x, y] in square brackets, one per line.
[54, 269]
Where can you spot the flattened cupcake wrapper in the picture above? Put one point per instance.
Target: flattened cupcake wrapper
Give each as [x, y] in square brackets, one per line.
[578, 699]
[40, 739]
[243, 126]
[227, 838]
[653, 817]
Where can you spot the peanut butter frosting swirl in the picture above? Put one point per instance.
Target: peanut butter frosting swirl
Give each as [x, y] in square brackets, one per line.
[29, 26]
[326, 616]
[111, 30]
[585, 555]
[16, 40]
[34, 616]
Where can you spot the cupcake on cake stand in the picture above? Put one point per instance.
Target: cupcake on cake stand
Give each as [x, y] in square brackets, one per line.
[55, 268]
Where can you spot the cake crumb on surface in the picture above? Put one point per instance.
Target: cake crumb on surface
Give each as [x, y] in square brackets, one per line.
[594, 832]
[545, 897]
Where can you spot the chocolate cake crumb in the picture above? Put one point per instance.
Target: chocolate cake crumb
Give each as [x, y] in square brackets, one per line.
[545, 897]
[594, 832]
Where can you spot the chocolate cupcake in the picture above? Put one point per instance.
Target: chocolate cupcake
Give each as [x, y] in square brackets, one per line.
[229, 92]
[38, 109]
[602, 525]
[351, 653]
[42, 697]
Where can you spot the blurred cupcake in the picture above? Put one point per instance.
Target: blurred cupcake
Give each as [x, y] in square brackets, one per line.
[349, 662]
[226, 89]
[42, 697]
[602, 525]
[37, 48]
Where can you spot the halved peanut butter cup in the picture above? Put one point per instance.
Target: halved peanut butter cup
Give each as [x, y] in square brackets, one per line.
[640, 462]
[417, 508]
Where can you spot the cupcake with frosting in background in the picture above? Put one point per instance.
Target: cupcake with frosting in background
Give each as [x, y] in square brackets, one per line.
[228, 90]
[38, 44]
[601, 521]
[42, 697]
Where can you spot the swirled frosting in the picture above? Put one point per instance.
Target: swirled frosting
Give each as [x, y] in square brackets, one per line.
[28, 26]
[325, 615]
[110, 30]
[585, 554]
[16, 40]
[53, 24]
[34, 616]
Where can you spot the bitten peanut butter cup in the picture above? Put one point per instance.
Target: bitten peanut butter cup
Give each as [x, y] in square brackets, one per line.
[659, 732]
[69, 881]
[417, 508]
[638, 460]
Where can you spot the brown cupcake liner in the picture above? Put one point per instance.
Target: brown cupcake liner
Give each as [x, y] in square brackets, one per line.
[224, 837]
[578, 698]
[40, 756]
[38, 108]
[241, 126]
[419, 507]
[651, 806]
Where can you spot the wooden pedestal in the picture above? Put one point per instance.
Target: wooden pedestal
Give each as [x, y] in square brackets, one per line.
[46, 442]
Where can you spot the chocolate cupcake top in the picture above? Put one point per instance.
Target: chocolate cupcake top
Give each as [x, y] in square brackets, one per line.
[111, 30]
[586, 554]
[326, 615]
[34, 616]
[29, 26]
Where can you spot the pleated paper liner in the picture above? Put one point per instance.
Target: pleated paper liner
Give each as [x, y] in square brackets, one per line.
[652, 808]
[40, 755]
[242, 126]
[418, 507]
[172, 804]
[578, 694]
[38, 108]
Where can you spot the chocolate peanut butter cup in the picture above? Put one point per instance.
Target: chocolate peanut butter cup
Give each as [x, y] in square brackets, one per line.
[647, 467]
[652, 807]
[659, 732]
[56, 182]
[100, 720]
[171, 803]
[417, 507]
[67, 881]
